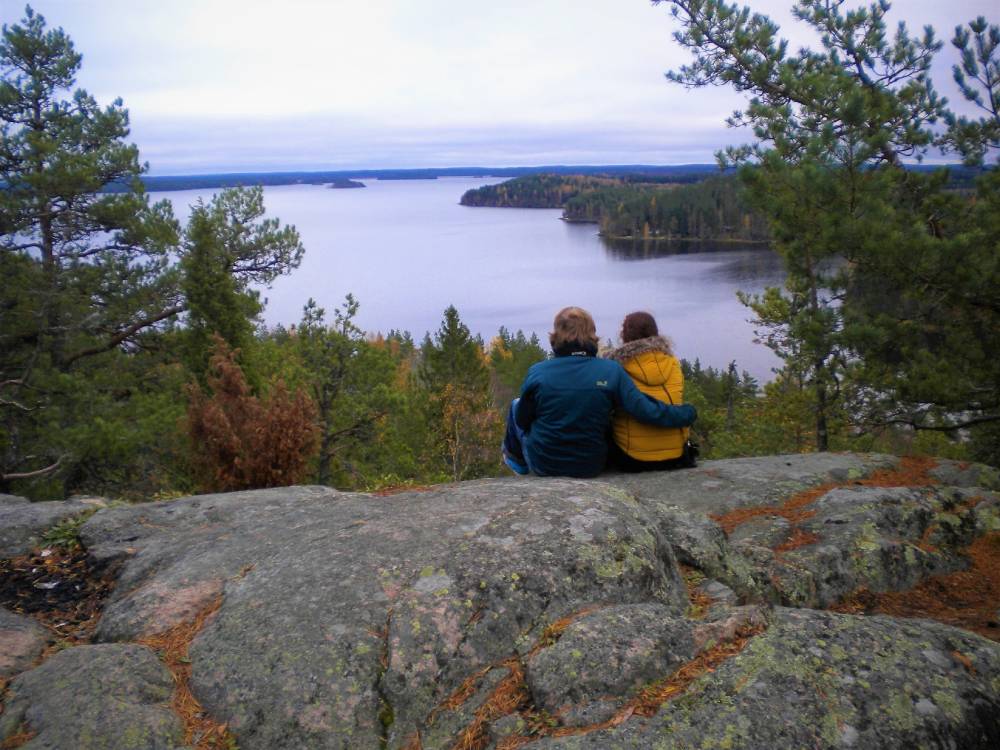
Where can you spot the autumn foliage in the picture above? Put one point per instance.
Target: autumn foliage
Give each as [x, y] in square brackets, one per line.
[243, 441]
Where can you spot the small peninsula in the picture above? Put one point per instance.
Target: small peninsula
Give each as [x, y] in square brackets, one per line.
[685, 206]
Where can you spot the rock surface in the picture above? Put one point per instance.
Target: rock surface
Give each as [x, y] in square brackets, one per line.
[22, 641]
[823, 680]
[106, 697]
[355, 621]
[23, 524]
[603, 658]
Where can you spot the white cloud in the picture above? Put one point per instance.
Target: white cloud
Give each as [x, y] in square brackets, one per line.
[330, 82]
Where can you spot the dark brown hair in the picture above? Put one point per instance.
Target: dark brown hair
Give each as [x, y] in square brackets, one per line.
[638, 325]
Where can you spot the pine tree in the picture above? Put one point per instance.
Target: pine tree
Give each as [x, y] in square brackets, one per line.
[460, 404]
[85, 271]
[854, 226]
[228, 244]
[453, 357]
[91, 287]
[215, 306]
[511, 355]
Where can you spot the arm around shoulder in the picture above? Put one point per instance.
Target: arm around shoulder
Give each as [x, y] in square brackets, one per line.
[648, 409]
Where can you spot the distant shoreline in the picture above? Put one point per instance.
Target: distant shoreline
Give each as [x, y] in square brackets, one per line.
[162, 183]
[246, 179]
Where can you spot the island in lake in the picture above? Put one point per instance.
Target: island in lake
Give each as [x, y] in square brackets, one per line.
[344, 183]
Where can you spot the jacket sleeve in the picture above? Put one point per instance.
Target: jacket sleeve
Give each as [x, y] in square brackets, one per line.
[648, 409]
[524, 414]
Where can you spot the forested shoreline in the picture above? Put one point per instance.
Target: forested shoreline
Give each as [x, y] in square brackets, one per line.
[695, 206]
[687, 206]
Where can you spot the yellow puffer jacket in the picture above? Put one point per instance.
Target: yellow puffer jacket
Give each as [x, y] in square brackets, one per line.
[657, 373]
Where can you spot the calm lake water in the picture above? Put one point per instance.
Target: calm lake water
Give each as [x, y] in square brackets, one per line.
[406, 249]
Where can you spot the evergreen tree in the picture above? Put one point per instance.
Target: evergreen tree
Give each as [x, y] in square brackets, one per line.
[854, 226]
[352, 384]
[511, 355]
[90, 284]
[227, 246]
[100, 276]
[453, 357]
[85, 272]
[461, 409]
[215, 306]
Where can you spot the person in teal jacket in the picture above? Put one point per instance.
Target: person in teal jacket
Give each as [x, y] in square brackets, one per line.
[559, 425]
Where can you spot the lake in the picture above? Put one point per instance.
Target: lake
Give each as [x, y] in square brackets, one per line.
[406, 249]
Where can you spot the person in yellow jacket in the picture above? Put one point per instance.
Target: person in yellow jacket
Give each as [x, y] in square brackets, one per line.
[649, 360]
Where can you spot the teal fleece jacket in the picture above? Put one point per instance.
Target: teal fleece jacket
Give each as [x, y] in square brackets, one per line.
[565, 410]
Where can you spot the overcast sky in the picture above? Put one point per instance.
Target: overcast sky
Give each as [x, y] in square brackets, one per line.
[220, 85]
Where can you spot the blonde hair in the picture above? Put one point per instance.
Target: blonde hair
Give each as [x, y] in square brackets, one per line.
[573, 324]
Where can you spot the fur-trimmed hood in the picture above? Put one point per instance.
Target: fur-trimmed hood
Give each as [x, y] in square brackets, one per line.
[653, 344]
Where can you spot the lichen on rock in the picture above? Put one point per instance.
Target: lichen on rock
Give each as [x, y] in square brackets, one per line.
[551, 611]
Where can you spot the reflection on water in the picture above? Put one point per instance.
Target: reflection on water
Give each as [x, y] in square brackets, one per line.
[407, 250]
[739, 262]
[640, 249]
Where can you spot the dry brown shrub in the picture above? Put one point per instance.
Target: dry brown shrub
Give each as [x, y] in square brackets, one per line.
[241, 441]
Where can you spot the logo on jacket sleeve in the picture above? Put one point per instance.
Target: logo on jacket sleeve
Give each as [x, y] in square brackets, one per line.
[601, 383]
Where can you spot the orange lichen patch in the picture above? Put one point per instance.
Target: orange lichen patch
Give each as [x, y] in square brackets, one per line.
[859, 602]
[912, 471]
[965, 660]
[967, 599]
[700, 604]
[172, 645]
[925, 539]
[514, 741]
[798, 538]
[972, 502]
